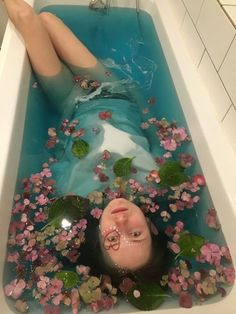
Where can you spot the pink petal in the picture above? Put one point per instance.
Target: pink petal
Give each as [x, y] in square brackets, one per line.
[185, 300]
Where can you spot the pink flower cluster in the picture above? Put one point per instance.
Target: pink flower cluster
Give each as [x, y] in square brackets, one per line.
[186, 283]
[68, 242]
[182, 197]
[96, 212]
[212, 253]
[105, 115]
[212, 219]
[153, 176]
[40, 185]
[53, 139]
[201, 284]
[148, 205]
[106, 155]
[105, 303]
[49, 290]
[99, 171]
[111, 195]
[171, 136]
[186, 160]
[15, 288]
[174, 233]
[68, 128]
[135, 186]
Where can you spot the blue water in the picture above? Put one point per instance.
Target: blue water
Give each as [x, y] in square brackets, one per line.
[128, 41]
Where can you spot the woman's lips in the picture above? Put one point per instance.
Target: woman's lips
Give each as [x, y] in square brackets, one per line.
[118, 210]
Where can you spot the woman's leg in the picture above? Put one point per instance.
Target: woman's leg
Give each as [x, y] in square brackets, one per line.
[55, 79]
[68, 47]
[41, 52]
[71, 50]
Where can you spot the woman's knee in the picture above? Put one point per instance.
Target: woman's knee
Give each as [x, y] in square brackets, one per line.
[23, 15]
[46, 17]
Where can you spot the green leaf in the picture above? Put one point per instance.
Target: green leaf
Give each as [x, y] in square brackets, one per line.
[80, 148]
[122, 167]
[190, 244]
[69, 207]
[151, 296]
[172, 173]
[70, 279]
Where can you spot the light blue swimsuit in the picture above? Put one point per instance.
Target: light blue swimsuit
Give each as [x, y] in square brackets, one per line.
[121, 136]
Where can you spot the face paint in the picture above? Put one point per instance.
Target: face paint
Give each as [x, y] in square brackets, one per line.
[112, 238]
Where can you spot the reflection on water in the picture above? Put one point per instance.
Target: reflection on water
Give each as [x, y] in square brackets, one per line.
[122, 211]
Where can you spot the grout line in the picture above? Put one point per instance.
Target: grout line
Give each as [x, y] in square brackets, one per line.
[187, 13]
[200, 12]
[223, 60]
[190, 14]
[195, 26]
[226, 13]
[182, 22]
[210, 56]
[204, 51]
[222, 120]
[220, 78]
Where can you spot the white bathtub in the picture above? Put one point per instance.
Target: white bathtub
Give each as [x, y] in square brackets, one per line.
[215, 154]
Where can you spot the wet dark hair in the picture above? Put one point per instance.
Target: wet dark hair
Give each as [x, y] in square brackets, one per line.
[92, 255]
[152, 271]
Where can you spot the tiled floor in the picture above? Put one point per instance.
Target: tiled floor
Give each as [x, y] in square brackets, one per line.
[229, 6]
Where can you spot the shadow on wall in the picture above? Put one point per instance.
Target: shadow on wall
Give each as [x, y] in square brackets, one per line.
[3, 21]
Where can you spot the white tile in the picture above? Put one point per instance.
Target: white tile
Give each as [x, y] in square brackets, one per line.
[228, 71]
[231, 2]
[178, 9]
[214, 86]
[231, 11]
[216, 30]
[229, 126]
[193, 7]
[192, 40]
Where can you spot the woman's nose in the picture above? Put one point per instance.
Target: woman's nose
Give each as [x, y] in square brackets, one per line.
[121, 219]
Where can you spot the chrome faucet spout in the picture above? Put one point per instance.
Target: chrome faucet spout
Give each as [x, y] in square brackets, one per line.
[102, 4]
[97, 4]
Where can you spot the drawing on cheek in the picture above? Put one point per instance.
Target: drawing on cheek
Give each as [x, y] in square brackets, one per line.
[112, 240]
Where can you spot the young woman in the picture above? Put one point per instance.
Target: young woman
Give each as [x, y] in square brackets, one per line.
[80, 87]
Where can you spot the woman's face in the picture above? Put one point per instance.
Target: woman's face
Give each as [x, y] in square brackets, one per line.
[125, 234]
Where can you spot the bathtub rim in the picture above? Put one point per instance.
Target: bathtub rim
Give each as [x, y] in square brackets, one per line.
[224, 173]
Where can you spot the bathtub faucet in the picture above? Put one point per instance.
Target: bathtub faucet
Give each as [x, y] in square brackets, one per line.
[97, 4]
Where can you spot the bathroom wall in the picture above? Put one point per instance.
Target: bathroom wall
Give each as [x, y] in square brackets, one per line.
[208, 28]
[3, 21]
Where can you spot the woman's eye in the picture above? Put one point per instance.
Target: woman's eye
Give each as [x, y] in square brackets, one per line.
[136, 233]
[112, 238]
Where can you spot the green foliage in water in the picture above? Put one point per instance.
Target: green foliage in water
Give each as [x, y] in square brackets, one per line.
[69, 207]
[172, 173]
[122, 167]
[80, 148]
[146, 296]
